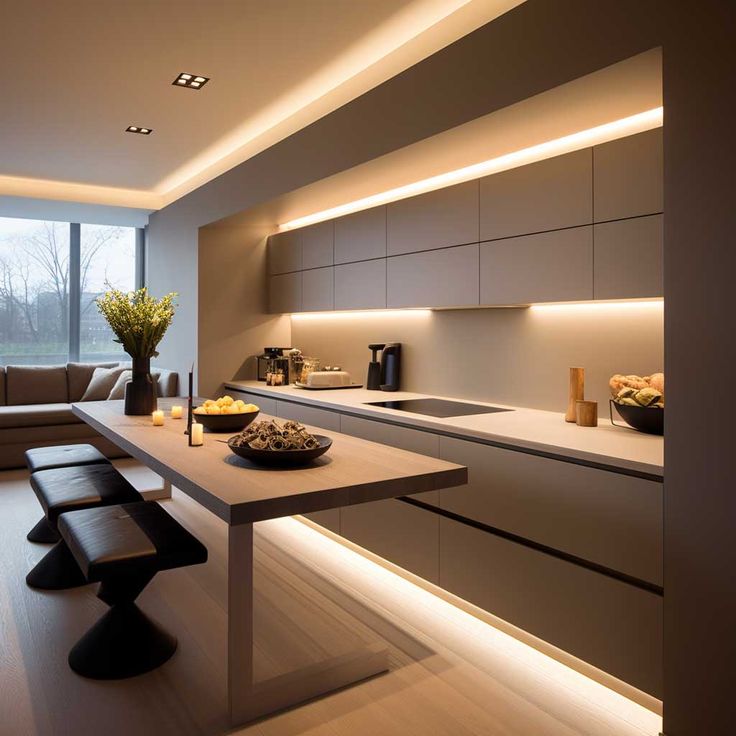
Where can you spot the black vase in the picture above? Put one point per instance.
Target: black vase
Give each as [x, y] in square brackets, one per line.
[140, 391]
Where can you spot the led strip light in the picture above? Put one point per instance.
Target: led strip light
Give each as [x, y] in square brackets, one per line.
[575, 141]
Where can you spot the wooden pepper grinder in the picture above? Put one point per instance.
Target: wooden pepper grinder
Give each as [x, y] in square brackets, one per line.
[577, 392]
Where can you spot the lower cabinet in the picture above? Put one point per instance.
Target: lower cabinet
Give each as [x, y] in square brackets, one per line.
[612, 625]
[406, 535]
[264, 403]
[328, 420]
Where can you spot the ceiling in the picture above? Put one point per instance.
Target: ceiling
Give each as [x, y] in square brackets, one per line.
[78, 72]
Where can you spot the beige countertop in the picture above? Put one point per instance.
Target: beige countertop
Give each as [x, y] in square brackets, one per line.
[541, 431]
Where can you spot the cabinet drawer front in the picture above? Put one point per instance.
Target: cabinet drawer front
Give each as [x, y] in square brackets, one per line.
[628, 258]
[318, 242]
[264, 403]
[361, 285]
[285, 293]
[405, 535]
[412, 440]
[329, 518]
[611, 519]
[318, 290]
[433, 220]
[321, 418]
[612, 625]
[361, 236]
[547, 195]
[627, 175]
[548, 267]
[438, 278]
[285, 252]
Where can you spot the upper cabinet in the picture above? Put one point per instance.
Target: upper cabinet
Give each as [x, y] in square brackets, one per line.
[439, 278]
[285, 252]
[436, 219]
[627, 179]
[547, 267]
[547, 195]
[361, 236]
[584, 225]
[628, 258]
[318, 245]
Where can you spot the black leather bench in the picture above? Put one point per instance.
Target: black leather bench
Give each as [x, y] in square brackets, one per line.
[58, 456]
[122, 548]
[65, 489]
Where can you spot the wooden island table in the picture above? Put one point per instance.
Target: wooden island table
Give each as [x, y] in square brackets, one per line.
[353, 471]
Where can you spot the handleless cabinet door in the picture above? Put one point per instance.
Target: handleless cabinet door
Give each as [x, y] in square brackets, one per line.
[361, 236]
[361, 285]
[438, 278]
[285, 293]
[327, 420]
[318, 243]
[434, 220]
[612, 625]
[607, 518]
[627, 176]
[264, 403]
[548, 267]
[318, 289]
[285, 252]
[406, 535]
[547, 195]
[628, 258]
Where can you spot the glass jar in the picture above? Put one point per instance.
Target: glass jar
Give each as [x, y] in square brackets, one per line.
[310, 365]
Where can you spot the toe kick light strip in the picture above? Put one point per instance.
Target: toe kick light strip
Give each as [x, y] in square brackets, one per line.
[575, 141]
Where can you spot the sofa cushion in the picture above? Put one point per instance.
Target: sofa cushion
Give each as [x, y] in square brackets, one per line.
[118, 390]
[79, 375]
[102, 382]
[2, 385]
[36, 415]
[36, 384]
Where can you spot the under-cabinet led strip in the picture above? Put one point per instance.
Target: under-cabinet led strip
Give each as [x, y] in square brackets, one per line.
[582, 139]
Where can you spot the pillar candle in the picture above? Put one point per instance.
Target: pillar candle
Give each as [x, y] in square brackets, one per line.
[197, 434]
[177, 412]
[158, 418]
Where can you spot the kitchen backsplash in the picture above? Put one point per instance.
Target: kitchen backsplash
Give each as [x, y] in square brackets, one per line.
[512, 356]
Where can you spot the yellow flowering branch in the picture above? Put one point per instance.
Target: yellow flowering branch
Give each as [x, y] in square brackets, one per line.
[138, 320]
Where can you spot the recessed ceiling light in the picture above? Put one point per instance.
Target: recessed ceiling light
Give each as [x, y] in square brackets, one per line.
[138, 129]
[191, 81]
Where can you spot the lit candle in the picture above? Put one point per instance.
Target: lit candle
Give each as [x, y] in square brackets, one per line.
[197, 434]
[177, 412]
[158, 418]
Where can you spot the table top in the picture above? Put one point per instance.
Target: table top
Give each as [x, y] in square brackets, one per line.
[353, 470]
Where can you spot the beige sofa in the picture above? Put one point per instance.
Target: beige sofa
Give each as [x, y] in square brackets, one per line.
[35, 408]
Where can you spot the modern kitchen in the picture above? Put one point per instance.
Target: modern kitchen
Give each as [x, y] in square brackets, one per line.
[406, 403]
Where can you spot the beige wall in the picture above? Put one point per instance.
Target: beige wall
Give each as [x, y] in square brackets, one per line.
[513, 356]
[233, 324]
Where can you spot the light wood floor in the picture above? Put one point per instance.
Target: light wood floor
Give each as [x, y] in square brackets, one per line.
[451, 674]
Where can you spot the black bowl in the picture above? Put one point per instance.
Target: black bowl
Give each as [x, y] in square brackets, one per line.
[225, 422]
[282, 458]
[642, 418]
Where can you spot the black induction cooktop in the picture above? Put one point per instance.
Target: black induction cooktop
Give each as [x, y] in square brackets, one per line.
[437, 407]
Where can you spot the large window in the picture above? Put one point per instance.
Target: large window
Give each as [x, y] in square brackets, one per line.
[50, 275]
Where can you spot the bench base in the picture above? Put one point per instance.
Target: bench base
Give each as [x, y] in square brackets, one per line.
[123, 643]
[57, 570]
[43, 533]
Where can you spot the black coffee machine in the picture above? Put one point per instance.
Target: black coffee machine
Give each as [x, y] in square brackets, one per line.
[385, 375]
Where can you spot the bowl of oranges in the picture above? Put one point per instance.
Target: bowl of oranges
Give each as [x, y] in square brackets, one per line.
[225, 414]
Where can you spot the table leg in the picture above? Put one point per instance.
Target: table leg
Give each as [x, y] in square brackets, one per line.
[247, 699]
